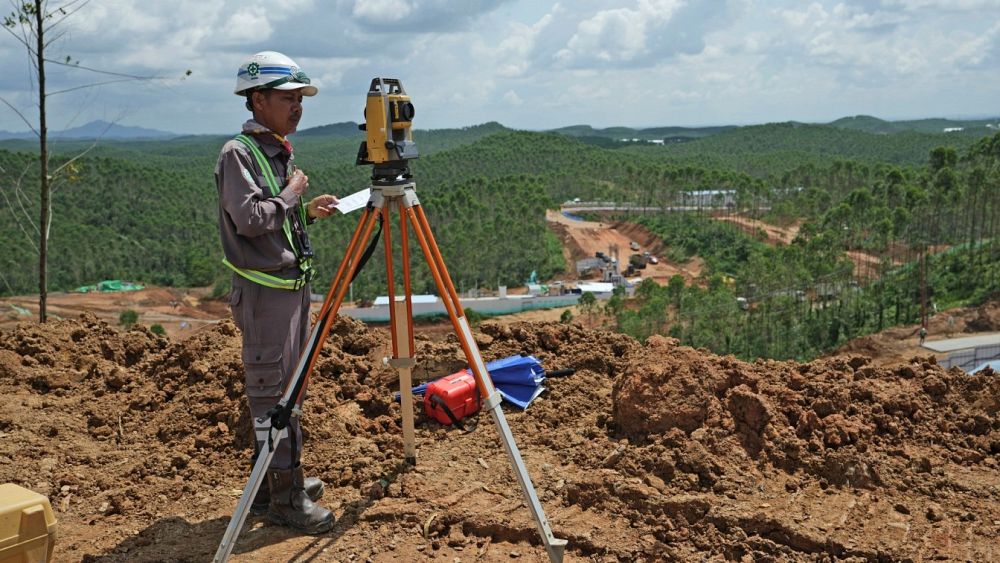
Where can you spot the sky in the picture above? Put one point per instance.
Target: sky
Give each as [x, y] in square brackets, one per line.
[528, 64]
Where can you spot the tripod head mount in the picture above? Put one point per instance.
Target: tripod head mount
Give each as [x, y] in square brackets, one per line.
[388, 145]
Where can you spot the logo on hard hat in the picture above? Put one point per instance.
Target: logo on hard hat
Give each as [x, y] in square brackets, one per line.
[253, 69]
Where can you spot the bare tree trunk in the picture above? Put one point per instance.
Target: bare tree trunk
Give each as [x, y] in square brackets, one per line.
[923, 288]
[44, 166]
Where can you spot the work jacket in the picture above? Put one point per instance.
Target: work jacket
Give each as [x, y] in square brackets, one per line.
[251, 219]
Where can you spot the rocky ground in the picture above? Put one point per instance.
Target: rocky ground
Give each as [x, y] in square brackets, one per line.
[649, 452]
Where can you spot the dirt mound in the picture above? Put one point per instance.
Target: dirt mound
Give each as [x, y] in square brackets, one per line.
[899, 344]
[834, 419]
[650, 451]
[984, 319]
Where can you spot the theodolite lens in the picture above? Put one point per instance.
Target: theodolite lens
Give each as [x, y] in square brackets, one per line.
[406, 111]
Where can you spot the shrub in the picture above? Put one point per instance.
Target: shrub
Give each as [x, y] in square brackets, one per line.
[474, 317]
[128, 317]
[221, 288]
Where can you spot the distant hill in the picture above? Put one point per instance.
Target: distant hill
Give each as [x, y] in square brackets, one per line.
[871, 124]
[346, 129]
[609, 136]
[648, 134]
[770, 148]
[349, 129]
[96, 130]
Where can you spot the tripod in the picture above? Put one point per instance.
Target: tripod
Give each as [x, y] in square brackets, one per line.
[389, 192]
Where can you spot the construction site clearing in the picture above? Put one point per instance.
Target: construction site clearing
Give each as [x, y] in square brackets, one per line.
[650, 451]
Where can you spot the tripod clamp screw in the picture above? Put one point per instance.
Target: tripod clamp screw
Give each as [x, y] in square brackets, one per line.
[493, 401]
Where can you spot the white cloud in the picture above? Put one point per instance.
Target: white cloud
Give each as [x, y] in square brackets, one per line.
[978, 50]
[868, 43]
[418, 16]
[644, 33]
[381, 11]
[247, 24]
[953, 5]
[514, 50]
[512, 98]
[533, 63]
[609, 36]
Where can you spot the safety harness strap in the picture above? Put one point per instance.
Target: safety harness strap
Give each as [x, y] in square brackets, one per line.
[268, 280]
[263, 278]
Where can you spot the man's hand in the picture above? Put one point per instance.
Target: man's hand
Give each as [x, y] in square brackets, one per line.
[298, 182]
[321, 206]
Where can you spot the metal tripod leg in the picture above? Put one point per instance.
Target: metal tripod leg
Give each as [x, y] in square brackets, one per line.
[553, 546]
[293, 392]
[403, 362]
[401, 329]
[275, 436]
[399, 197]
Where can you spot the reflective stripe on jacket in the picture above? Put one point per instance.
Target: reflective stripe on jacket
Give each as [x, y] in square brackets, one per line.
[254, 221]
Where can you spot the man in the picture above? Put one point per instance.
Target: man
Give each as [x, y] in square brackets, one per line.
[262, 222]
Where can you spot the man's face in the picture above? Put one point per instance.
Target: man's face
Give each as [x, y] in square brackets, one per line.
[278, 110]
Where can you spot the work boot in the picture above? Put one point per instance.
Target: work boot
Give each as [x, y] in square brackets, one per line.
[290, 505]
[314, 488]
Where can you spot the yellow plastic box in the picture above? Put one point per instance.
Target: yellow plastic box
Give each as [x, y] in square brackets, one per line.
[27, 526]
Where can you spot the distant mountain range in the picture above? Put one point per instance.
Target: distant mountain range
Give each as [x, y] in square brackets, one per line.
[349, 130]
[871, 124]
[628, 133]
[345, 129]
[865, 123]
[96, 130]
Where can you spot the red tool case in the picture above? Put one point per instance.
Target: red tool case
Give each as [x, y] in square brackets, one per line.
[452, 398]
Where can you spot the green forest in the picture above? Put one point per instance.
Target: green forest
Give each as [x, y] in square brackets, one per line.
[923, 205]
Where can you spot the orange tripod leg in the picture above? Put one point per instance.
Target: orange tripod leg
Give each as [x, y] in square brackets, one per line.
[390, 278]
[553, 546]
[286, 408]
[338, 289]
[405, 240]
[356, 239]
[436, 253]
[432, 264]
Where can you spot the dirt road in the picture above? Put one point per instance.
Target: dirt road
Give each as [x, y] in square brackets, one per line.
[773, 234]
[583, 239]
[180, 312]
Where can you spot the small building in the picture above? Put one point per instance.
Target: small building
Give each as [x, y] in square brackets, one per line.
[383, 300]
[599, 289]
[708, 198]
[588, 264]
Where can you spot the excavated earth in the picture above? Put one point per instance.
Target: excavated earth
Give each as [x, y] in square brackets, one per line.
[649, 452]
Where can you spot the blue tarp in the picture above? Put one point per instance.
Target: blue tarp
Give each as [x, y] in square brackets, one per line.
[518, 379]
[994, 364]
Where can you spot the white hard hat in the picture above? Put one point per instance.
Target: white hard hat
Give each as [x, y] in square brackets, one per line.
[270, 69]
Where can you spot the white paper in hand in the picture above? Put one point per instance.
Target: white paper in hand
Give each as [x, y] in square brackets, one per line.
[353, 202]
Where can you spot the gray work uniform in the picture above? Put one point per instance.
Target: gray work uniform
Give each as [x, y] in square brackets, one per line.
[274, 322]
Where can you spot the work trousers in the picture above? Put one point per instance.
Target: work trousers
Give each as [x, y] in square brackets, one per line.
[275, 326]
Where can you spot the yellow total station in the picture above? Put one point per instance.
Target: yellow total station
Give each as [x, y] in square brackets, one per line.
[388, 118]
